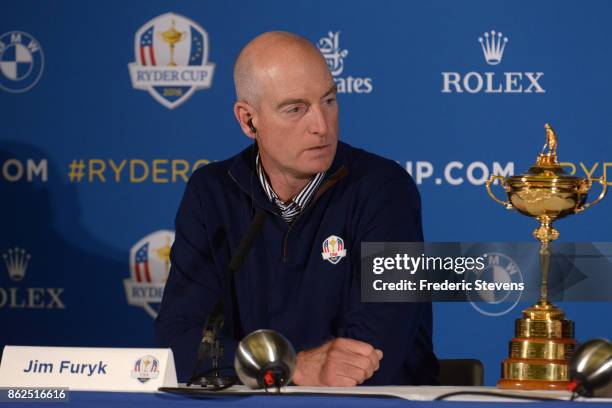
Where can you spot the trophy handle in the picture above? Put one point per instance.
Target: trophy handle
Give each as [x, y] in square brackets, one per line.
[502, 180]
[604, 190]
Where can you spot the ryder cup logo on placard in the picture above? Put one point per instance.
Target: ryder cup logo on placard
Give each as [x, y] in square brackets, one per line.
[21, 61]
[333, 249]
[171, 54]
[493, 46]
[334, 55]
[146, 368]
[149, 267]
[499, 268]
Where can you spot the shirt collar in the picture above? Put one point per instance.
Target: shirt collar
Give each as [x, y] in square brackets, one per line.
[294, 207]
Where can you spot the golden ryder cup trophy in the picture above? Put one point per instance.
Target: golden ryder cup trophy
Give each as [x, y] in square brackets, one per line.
[172, 37]
[544, 339]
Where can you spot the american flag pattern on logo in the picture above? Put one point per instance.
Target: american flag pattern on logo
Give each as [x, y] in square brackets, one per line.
[141, 264]
[147, 52]
[333, 249]
[146, 368]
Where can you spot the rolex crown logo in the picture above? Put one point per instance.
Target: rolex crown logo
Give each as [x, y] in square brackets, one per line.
[493, 46]
[16, 261]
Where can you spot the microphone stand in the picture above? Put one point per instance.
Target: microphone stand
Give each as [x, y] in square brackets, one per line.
[211, 347]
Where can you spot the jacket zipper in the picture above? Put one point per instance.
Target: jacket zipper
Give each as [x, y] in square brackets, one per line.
[337, 176]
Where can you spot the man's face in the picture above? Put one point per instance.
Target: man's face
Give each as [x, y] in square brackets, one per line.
[297, 116]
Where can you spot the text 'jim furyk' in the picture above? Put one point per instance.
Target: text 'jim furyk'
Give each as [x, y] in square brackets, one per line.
[66, 367]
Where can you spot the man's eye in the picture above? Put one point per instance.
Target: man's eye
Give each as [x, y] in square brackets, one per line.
[295, 109]
[330, 101]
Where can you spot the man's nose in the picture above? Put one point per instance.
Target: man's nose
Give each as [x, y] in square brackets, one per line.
[318, 121]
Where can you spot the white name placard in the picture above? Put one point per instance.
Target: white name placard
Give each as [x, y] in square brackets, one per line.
[88, 369]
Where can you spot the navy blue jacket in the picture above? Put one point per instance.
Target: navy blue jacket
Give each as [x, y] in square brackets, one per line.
[285, 284]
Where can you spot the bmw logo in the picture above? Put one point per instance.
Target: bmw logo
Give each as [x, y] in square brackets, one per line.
[21, 61]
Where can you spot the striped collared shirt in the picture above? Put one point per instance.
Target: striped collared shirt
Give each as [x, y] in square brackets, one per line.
[293, 208]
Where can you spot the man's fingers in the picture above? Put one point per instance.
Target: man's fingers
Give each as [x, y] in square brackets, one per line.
[355, 346]
[355, 360]
[374, 360]
[376, 356]
[338, 368]
[359, 348]
[340, 362]
[340, 381]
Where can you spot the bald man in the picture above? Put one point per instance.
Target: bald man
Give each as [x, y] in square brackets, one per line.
[320, 198]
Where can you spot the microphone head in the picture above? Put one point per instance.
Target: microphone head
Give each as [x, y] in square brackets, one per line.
[265, 359]
[591, 369]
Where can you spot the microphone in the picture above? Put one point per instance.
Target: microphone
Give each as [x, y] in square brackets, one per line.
[210, 346]
[247, 242]
[212, 330]
[591, 369]
[265, 359]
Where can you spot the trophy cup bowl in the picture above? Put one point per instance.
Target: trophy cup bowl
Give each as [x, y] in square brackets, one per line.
[543, 345]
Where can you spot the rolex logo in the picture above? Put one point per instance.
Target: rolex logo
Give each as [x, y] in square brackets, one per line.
[493, 81]
[16, 261]
[493, 46]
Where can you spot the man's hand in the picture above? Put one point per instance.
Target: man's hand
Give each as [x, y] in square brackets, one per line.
[340, 362]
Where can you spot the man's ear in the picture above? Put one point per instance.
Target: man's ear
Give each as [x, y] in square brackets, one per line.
[244, 115]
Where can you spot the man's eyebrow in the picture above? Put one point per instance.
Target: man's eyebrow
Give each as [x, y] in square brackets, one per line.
[291, 102]
[286, 102]
[332, 90]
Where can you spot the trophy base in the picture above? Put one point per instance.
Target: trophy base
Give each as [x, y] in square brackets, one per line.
[532, 385]
[540, 352]
[535, 369]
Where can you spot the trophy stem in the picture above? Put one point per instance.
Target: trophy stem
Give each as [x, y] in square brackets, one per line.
[172, 63]
[545, 233]
[544, 269]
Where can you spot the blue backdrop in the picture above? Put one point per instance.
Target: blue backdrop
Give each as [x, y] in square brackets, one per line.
[94, 151]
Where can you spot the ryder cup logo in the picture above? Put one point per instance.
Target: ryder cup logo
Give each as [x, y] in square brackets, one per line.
[493, 45]
[334, 56]
[21, 61]
[500, 268]
[146, 368]
[149, 266]
[171, 54]
[333, 249]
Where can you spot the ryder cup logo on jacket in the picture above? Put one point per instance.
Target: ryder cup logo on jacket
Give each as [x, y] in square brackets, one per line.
[493, 45]
[149, 268]
[333, 249]
[171, 54]
[21, 61]
[146, 368]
